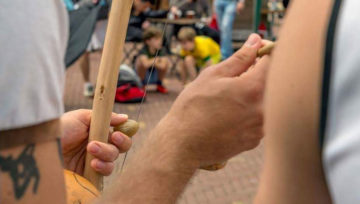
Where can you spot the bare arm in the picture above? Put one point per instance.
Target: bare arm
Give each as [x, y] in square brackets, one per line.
[31, 173]
[293, 170]
[157, 174]
[197, 133]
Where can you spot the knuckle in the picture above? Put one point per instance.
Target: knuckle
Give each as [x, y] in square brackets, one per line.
[114, 154]
[109, 169]
[244, 56]
[206, 72]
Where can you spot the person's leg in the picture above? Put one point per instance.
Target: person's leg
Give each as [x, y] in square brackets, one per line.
[182, 71]
[226, 29]
[162, 72]
[190, 66]
[84, 63]
[219, 9]
[140, 68]
[161, 75]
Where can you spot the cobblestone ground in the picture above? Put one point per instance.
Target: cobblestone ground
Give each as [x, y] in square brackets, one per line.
[235, 184]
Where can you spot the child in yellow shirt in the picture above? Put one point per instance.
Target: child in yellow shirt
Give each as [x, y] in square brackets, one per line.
[198, 53]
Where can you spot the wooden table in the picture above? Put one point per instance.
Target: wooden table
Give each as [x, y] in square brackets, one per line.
[179, 21]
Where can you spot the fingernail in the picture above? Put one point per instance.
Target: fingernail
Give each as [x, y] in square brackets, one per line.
[123, 116]
[252, 40]
[95, 148]
[99, 165]
[118, 138]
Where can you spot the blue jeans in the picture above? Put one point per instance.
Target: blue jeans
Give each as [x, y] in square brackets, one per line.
[225, 11]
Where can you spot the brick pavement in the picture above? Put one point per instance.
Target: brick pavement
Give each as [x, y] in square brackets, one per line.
[236, 184]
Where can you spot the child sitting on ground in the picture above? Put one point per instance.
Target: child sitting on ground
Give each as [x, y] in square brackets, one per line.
[198, 53]
[153, 44]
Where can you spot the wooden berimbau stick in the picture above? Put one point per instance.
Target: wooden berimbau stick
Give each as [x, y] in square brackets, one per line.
[80, 190]
[106, 81]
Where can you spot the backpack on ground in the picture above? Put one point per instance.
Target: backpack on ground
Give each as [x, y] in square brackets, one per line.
[129, 86]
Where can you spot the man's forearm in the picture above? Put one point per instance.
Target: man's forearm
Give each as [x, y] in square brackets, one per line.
[156, 174]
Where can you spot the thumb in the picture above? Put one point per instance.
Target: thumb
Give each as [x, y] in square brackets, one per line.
[117, 119]
[241, 60]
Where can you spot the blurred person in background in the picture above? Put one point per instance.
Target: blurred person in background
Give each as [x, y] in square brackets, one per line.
[97, 38]
[198, 52]
[200, 9]
[140, 11]
[152, 39]
[225, 12]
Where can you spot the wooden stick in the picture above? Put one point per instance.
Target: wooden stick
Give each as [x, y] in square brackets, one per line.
[266, 49]
[106, 81]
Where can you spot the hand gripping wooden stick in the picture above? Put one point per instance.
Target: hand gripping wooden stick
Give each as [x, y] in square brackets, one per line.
[106, 81]
[265, 50]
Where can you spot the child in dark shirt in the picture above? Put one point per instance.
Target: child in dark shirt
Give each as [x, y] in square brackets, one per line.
[145, 60]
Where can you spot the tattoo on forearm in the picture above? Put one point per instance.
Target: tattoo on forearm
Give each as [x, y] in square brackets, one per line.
[22, 170]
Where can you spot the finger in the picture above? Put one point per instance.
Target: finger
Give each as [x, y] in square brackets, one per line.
[265, 42]
[260, 70]
[117, 119]
[253, 81]
[240, 61]
[121, 141]
[102, 151]
[104, 168]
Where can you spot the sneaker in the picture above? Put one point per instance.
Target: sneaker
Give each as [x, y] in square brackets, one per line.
[88, 89]
[161, 89]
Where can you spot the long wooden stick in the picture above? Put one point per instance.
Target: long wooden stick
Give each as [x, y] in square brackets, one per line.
[106, 81]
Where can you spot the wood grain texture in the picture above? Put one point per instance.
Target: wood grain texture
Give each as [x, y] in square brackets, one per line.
[106, 81]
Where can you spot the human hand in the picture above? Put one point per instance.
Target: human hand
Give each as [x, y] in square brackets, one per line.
[220, 113]
[240, 6]
[74, 143]
[145, 25]
[174, 10]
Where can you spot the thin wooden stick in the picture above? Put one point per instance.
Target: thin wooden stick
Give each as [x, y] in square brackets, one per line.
[267, 49]
[106, 81]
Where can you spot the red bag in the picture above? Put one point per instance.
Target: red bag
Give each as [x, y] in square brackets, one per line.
[213, 23]
[129, 94]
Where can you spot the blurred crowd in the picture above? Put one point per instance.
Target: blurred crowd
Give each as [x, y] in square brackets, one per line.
[200, 30]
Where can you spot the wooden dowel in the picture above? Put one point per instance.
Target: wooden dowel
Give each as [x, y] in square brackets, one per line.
[266, 49]
[106, 81]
